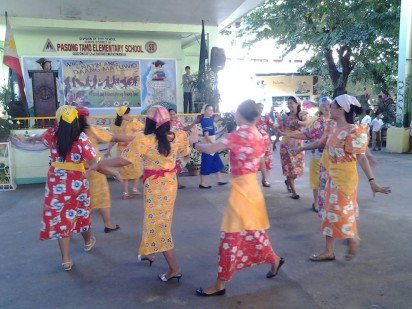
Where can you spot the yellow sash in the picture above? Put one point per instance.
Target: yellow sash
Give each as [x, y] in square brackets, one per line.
[286, 139]
[246, 209]
[344, 175]
[70, 166]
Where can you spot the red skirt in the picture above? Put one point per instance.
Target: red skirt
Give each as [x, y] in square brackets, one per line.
[242, 250]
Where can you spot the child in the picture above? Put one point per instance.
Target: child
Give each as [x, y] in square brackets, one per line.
[376, 125]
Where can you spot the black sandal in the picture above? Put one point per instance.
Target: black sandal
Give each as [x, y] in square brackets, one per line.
[313, 208]
[295, 197]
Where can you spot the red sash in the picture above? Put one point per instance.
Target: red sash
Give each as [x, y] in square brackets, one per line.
[156, 173]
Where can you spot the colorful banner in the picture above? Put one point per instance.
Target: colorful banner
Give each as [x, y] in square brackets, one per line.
[102, 83]
[158, 81]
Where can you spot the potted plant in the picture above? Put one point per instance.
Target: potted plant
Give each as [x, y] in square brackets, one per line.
[6, 123]
[193, 166]
[207, 93]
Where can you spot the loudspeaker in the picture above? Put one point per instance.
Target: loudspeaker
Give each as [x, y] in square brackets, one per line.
[18, 109]
[217, 59]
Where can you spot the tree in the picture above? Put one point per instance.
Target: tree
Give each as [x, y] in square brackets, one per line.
[343, 34]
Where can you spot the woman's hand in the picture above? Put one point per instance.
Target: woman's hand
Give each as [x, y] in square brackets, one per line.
[296, 151]
[378, 189]
[194, 136]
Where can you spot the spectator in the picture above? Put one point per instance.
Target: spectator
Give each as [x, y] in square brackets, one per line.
[377, 124]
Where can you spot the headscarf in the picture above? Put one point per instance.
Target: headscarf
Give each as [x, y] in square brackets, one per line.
[345, 101]
[66, 113]
[158, 114]
[299, 101]
[121, 110]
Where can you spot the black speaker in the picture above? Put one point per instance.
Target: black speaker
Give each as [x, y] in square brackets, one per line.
[217, 59]
[18, 109]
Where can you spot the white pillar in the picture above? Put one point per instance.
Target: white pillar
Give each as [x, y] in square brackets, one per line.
[404, 63]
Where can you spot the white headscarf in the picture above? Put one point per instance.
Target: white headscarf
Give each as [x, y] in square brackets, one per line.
[345, 101]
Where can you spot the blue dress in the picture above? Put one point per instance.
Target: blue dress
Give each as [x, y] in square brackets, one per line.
[210, 163]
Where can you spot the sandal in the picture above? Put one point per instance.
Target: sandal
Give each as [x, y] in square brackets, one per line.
[126, 196]
[295, 197]
[322, 258]
[314, 208]
[136, 192]
[270, 274]
[89, 246]
[265, 184]
[67, 266]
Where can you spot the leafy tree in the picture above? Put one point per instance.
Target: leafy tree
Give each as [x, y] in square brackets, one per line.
[344, 35]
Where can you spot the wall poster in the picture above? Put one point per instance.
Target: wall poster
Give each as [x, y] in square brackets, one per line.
[104, 84]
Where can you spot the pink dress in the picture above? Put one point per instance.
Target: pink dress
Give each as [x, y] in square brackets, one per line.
[263, 124]
[177, 125]
[292, 166]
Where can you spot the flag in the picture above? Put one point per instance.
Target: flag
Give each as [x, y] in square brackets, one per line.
[11, 58]
[202, 60]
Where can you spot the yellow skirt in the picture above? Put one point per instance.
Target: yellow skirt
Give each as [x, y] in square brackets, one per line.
[246, 209]
[99, 190]
[314, 173]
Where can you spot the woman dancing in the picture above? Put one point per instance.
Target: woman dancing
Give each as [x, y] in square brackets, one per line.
[243, 240]
[345, 144]
[125, 125]
[160, 149]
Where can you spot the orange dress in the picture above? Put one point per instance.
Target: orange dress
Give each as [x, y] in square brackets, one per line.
[159, 190]
[340, 209]
[130, 128]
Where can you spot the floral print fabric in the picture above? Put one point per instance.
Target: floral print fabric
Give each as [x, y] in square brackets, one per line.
[130, 128]
[66, 208]
[242, 250]
[177, 125]
[340, 211]
[292, 165]
[99, 187]
[246, 149]
[160, 192]
[263, 124]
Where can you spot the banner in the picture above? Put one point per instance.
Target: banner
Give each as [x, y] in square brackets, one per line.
[105, 84]
[158, 81]
[102, 83]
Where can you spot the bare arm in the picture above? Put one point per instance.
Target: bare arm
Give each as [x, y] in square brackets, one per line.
[121, 138]
[364, 163]
[207, 138]
[314, 145]
[210, 148]
[297, 136]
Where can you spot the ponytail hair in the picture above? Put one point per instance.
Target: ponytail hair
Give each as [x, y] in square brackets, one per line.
[353, 112]
[162, 133]
[66, 134]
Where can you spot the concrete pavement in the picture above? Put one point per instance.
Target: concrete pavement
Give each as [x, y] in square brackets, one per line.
[109, 276]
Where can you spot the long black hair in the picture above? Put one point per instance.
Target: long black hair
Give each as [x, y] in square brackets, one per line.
[298, 110]
[118, 121]
[353, 112]
[163, 135]
[83, 125]
[66, 134]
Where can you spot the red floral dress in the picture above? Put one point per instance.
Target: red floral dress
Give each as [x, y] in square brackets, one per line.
[66, 208]
[176, 126]
[243, 247]
[263, 124]
[292, 165]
